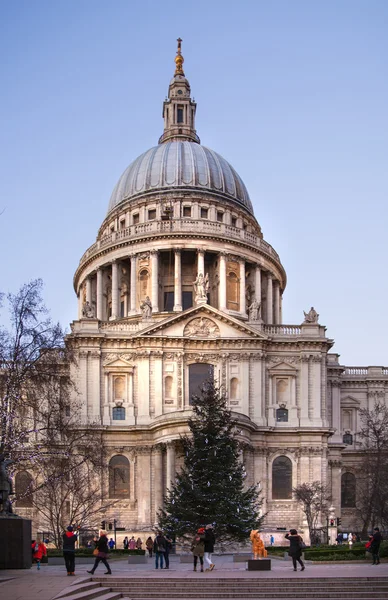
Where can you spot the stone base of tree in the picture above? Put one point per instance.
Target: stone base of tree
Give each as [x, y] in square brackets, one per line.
[263, 564]
[15, 534]
[137, 559]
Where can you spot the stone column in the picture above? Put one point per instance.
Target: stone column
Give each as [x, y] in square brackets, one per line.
[336, 485]
[115, 289]
[158, 479]
[89, 290]
[258, 283]
[201, 262]
[276, 291]
[243, 309]
[133, 284]
[177, 280]
[170, 464]
[222, 288]
[99, 295]
[269, 299]
[336, 410]
[79, 298]
[155, 281]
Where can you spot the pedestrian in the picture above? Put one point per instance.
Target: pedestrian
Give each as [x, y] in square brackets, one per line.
[139, 544]
[375, 546]
[103, 550]
[68, 544]
[167, 551]
[132, 543]
[350, 540]
[159, 549]
[38, 551]
[126, 543]
[296, 546]
[111, 544]
[198, 547]
[149, 546]
[272, 540]
[210, 540]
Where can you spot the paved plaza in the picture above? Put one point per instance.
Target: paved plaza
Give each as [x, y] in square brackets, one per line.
[50, 581]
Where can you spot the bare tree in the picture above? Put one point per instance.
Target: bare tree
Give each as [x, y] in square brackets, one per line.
[41, 424]
[372, 470]
[315, 500]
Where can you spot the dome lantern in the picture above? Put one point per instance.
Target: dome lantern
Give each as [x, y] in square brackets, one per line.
[178, 108]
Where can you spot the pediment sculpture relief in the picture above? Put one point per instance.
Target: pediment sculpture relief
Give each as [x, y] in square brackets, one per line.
[202, 327]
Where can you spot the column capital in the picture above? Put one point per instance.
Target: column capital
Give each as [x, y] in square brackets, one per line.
[178, 250]
[114, 261]
[154, 252]
[270, 275]
[200, 251]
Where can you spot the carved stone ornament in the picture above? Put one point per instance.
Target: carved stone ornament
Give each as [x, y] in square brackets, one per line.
[311, 316]
[292, 360]
[202, 327]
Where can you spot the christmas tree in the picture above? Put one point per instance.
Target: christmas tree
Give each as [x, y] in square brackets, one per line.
[210, 488]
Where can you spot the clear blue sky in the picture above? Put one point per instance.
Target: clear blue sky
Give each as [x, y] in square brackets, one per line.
[293, 93]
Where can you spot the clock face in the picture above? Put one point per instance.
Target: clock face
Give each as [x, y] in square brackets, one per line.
[180, 92]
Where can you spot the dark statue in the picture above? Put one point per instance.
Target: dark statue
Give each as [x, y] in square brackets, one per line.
[6, 488]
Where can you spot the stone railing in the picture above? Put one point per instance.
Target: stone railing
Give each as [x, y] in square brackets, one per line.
[365, 371]
[128, 327]
[180, 226]
[282, 329]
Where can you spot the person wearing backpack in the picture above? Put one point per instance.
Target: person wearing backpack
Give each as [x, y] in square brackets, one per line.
[38, 551]
[160, 545]
[68, 544]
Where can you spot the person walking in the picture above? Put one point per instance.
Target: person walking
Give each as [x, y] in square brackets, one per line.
[38, 551]
[149, 546]
[68, 544]
[132, 543]
[295, 550]
[126, 543]
[350, 541]
[375, 546]
[210, 540]
[103, 550]
[198, 547]
[139, 544]
[272, 540]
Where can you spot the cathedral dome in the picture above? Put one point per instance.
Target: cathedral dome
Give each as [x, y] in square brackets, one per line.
[180, 165]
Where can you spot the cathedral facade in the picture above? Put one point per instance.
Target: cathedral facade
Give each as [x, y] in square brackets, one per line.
[179, 286]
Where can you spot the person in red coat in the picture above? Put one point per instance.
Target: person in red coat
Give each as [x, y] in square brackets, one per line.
[38, 551]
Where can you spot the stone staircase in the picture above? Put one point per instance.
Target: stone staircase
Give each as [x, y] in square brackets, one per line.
[150, 588]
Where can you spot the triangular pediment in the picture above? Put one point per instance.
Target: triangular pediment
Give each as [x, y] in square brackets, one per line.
[282, 368]
[117, 362]
[202, 322]
[350, 402]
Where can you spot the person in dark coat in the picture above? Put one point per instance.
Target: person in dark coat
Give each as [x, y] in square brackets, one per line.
[167, 552]
[160, 545]
[68, 544]
[375, 546]
[210, 540]
[295, 550]
[198, 547]
[150, 546]
[103, 550]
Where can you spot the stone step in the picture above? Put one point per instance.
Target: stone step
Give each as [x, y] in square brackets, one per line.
[100, 593]
[84, 587]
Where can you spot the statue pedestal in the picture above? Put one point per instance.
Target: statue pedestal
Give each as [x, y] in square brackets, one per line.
[259, 564]
[15, 534]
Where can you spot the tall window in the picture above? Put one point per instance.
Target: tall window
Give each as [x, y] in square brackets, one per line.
[282, 478]
[199, 373]
[168, 386]
[234, 388]
[187, 300]
[119, 477]
[348, 490]
[168, 301]
[282, 415]
[180, 114]
[23, 484]
[232, 291]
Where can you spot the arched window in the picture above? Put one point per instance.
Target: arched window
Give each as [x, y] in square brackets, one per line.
[118, 413]
[282, 478]
[199, 373]
[282, 415]
[232, 292]
[348, 490]
[119, 477]
[233, 388]
[23, 484]
[282, 391]
[168, 386]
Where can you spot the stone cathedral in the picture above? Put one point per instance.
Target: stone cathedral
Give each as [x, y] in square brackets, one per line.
[179, 286]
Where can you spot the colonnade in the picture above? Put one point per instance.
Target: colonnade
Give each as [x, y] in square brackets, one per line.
[94, 293]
